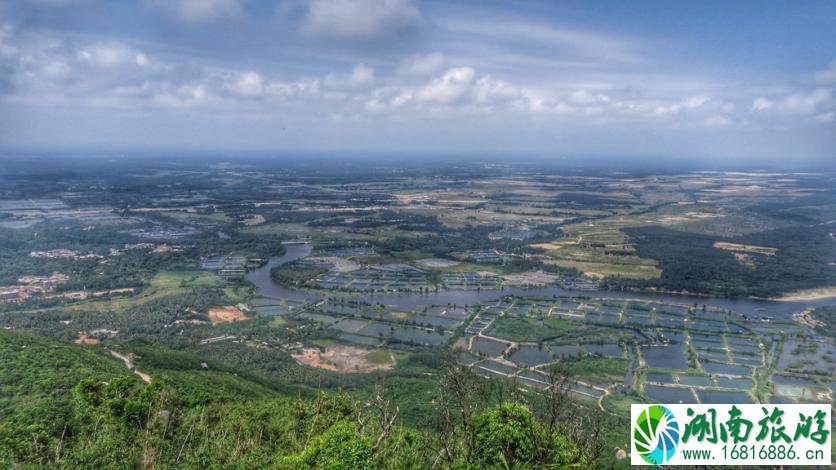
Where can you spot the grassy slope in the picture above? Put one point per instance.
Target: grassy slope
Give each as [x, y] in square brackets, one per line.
[38, 370]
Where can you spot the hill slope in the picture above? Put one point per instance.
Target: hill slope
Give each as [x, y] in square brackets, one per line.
[71, 406]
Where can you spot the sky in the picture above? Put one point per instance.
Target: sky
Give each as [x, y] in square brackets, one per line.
[744, 81]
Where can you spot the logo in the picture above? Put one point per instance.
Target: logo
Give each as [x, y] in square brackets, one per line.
[656, 434]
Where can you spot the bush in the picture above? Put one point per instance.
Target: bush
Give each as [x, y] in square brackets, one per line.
[340, 447]
[506, 433]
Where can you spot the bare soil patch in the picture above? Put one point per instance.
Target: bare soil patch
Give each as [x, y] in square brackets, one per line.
[84, 339]
[228, 314]
[340, 358]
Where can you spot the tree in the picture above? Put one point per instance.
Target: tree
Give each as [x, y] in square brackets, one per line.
[340, 447]
[506, 433]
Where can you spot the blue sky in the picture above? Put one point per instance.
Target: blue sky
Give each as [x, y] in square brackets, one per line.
[752, 81]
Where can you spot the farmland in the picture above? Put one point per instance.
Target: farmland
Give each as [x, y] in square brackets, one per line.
[611, 288]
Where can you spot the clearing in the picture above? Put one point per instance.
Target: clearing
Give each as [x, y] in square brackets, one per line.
[599, 249]
[228, 314]
[741, 248]
[743, 253]
[84, 339]
[345, 359]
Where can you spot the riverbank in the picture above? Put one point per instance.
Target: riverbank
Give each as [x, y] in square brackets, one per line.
[754, 308]
[820, 293]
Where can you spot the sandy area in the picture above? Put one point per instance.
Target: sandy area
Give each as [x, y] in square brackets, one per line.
[808, 294]
[227, 314]
[339, 358]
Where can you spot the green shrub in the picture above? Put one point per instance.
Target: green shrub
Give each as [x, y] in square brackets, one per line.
[340, 447]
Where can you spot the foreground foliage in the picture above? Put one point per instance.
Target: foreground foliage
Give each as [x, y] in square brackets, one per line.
[69, 406]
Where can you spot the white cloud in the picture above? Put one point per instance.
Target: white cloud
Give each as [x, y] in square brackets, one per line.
[827, 76]
[246, 84]
[359, 19]
[762, 104]
[198, 11]
[817, 103]
[109, 55]
[306, 87]
[422, 65]
[183, 96]
[452, 86]
[690, 103]
[825, 117]
[492, 91]
[361, 76]
[115, 74]
[805, 102]
[57, 69]
[694, 102]
[584, 97]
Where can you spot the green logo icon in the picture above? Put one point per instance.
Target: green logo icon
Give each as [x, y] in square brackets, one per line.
[656, 434]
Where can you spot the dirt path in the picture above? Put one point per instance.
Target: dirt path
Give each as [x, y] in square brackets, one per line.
[129, 363]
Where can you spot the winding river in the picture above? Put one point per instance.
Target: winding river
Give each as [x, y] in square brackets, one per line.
[266, 287]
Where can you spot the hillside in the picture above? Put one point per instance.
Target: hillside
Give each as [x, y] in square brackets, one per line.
[76, 406]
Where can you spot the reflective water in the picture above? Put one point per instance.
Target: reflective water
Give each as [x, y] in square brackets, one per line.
[416, 302]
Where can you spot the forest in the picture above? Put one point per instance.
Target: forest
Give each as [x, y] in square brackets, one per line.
[69, 406]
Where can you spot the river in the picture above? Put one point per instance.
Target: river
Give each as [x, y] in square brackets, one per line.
[265, 286]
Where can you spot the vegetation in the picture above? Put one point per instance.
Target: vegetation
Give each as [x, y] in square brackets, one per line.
[529, 329]
[594, 368]
[233, 394]
[289, 275]
[68, 406]
[691, 263]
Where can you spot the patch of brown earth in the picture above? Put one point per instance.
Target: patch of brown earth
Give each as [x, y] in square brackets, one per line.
[228, 314]
[84, 339]
[343, 359]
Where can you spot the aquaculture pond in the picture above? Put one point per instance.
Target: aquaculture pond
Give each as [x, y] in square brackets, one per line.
[695, 380]
[669, 394]
[665, 357]
[489, 347]
[530, 356]
[718, 397]
[726, 369]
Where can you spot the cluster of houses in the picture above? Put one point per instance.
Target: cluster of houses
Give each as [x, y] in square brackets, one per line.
[29, 285]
